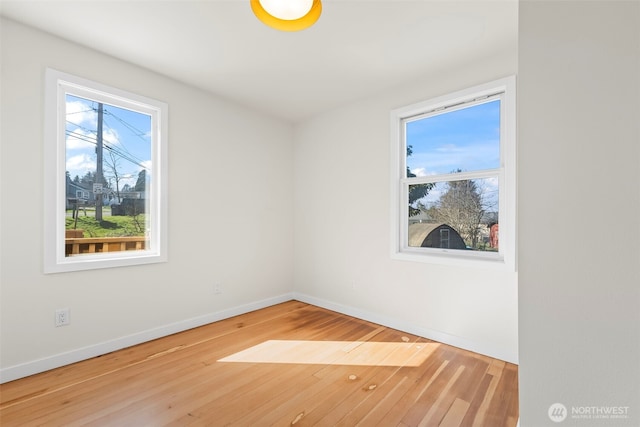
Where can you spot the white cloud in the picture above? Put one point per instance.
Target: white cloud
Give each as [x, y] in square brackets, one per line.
[419, 171]
[80, 140]
[128, 179]
[447, 157]
[81, 114]
[110, 136]
[449, 148]
[80, 164]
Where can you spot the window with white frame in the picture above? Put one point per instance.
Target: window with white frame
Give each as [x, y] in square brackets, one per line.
[453, 178]
[105, 176]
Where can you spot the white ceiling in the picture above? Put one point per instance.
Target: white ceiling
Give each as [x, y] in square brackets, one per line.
[356, 48]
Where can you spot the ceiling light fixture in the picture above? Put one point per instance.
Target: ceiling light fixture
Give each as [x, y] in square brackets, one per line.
[287, 15]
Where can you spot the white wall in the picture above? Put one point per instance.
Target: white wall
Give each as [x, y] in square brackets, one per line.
[579, 209]
[342, 227]
[230, 185]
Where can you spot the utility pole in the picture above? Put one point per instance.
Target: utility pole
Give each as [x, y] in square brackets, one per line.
[99, 179]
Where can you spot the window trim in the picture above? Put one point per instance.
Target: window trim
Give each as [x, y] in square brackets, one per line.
[57, 86]
[505, 259]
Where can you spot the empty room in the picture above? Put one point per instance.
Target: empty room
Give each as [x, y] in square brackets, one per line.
[375, 213]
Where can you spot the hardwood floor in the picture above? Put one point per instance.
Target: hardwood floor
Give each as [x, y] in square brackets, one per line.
[292, 364]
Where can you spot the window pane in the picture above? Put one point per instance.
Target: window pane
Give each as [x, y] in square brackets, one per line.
[454, 215]
[463, 140]
[108, 170]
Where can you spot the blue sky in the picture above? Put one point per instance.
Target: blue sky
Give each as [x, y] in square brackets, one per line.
[466, 139]
[127, 133]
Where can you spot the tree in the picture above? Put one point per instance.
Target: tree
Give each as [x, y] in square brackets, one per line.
[88, 179]
[112, 163]
[461, 207]
[417, 191]
[141, 183]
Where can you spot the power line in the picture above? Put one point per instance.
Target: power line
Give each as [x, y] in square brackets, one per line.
[114, 150]
[81, 111]
[131, 157]
[137, 132]
[122, 145]
[82, 127]
[121, 152]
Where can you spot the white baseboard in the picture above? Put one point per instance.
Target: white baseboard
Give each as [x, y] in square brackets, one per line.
[404, 326]
[36, 366]
[41, 365]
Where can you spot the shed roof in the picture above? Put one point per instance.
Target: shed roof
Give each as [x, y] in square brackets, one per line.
[418, 231]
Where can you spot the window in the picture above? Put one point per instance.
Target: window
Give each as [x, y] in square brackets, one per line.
[105, 176]
[453, 178]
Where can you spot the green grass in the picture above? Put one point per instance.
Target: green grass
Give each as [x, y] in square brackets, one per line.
[110, 226]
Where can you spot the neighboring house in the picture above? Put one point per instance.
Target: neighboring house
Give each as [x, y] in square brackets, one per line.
[438, 235]
[132, 195]
[77, 193]
[423, 216]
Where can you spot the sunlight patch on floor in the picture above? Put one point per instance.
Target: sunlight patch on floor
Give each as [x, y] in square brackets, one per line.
[336, 353]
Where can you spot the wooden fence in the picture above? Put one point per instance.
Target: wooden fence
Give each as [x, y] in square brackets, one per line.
[90, 245]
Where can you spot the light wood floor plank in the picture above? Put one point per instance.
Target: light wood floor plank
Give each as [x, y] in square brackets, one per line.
[292, 364]
[455, 414]
[438, 409]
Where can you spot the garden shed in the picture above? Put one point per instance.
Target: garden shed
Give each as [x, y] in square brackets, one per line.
[434, 235]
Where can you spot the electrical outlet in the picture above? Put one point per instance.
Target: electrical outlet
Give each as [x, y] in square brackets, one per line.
[62, 317]
[217, 288]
